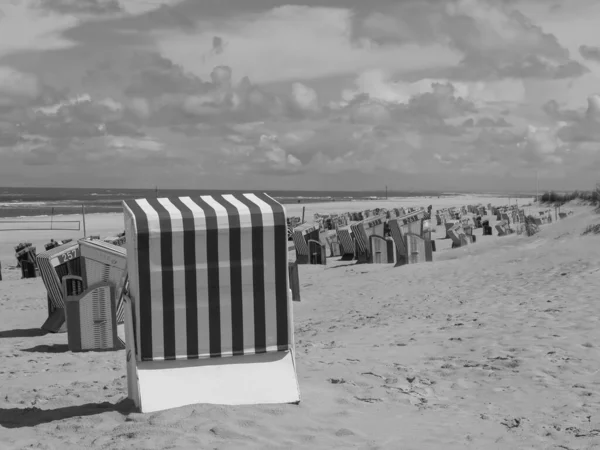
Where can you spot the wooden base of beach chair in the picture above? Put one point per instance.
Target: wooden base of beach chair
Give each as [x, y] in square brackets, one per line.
[56, 321]
[267, 378]
[294, 280]
[429, 246]
[361, 257]
[347, 257]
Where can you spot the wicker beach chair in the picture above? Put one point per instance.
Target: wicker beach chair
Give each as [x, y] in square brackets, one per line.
[374, 225]
[382, 250]
[209, 313]
[25, 253]
[54, 264]
[420, 247]
[303, 235]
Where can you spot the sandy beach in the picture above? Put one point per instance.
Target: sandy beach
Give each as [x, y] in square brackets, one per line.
[491, 346]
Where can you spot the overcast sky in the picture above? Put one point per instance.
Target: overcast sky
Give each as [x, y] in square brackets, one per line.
[318, 94]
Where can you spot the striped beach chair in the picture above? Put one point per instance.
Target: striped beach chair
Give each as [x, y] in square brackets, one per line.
[103, 262]
[346, 240]
[54, 264]
[362, 231]
[208, 318]
[413, 243]
[309, 249]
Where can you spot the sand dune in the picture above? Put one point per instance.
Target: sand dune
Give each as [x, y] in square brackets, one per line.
[492, 346]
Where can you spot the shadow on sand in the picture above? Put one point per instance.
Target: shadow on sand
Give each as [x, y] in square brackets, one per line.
[30, 417]
[54, 348]
[28, 332]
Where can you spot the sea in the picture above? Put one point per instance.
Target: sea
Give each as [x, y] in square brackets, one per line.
[27, 202]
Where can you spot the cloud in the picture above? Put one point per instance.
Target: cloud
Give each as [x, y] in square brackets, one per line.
[254, 52]
[577, 127]
[342, 94]
[486, 122]
[217, 45]
[91, 7]
[496, 40]
[589, 52]
[17, 87]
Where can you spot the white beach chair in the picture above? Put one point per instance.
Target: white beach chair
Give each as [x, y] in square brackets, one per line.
[208, 318]
[92, 321]
[103, 262]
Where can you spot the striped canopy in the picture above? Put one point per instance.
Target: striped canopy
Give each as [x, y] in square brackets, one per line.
[208, 276]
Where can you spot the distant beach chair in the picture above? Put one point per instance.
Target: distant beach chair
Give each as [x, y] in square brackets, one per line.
[25, 253]
[345, 237]
[449, 225]
[361, 231]
[209, 313]
[407, 235]
[117, 241]
[458, 239]
[103, 262]
[306, 252]
[503, 229]
[333, 244]
[54, 264]
[382, 250]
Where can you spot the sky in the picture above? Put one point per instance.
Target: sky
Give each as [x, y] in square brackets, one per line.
[308, 94]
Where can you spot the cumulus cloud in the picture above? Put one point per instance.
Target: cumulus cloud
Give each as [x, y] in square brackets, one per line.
[577, 126]
[496, 40]
[411, 87]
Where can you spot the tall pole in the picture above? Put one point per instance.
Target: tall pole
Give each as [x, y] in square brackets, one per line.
[83, 214]
[537, 183]
[386, 193]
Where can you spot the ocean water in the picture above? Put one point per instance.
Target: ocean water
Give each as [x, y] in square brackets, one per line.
[21, 202]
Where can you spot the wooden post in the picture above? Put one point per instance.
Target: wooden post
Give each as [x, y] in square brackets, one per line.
[303, 209]
[51, 218]
[83, 214]
[0, 271]
[294, 280]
